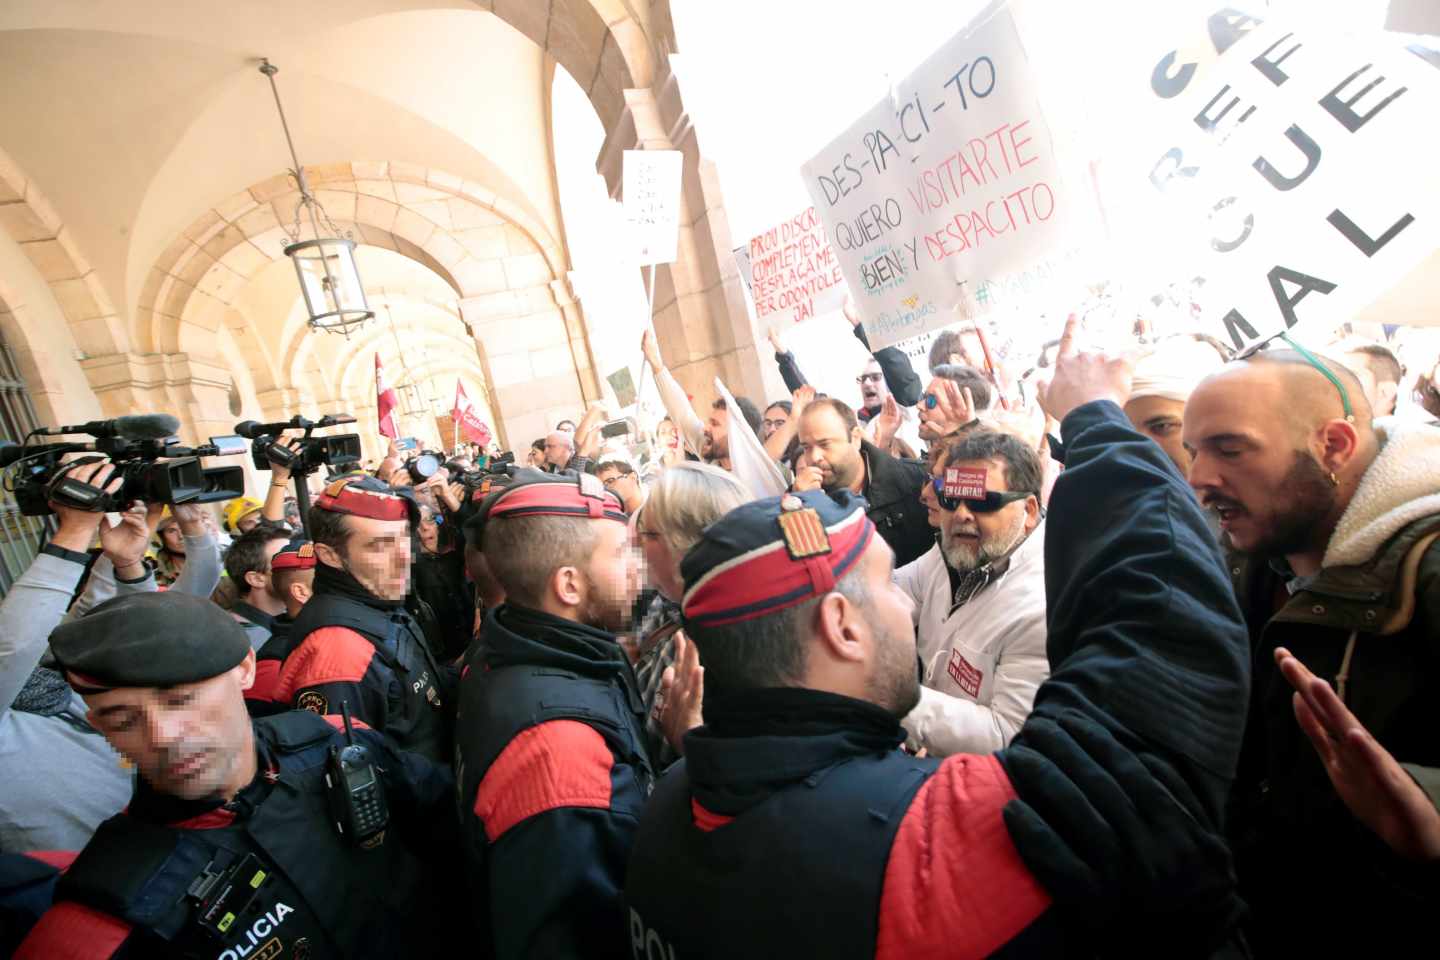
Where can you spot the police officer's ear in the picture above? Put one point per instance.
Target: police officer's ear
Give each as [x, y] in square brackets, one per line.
[840, 637]
[567, 587]
[329, 556]
[301, 591]
[245, 671]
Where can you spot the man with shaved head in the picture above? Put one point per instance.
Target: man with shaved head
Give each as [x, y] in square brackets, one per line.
[1331, 522]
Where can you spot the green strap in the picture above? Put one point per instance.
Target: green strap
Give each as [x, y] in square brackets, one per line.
[1314, 361]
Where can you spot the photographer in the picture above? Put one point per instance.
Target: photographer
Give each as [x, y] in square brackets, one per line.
[63, 778]
[196, 550]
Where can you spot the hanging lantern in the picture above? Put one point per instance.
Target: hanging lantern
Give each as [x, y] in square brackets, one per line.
[325, 266]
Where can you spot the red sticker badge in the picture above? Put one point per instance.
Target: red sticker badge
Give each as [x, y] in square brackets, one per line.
[965, 674]
[965, 483]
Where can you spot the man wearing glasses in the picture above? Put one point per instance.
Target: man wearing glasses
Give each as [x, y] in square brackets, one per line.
[979, 596]
[621, 479]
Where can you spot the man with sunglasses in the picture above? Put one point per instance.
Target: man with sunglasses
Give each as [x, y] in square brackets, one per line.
[1332, 524]
[979, 596]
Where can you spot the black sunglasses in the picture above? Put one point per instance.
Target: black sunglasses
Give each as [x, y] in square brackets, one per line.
[992, 501]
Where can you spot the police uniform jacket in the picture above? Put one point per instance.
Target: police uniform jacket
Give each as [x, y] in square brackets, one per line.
[266, 875]
[552, 769]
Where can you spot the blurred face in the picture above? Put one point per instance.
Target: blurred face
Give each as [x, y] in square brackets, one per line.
[832, 448]
[775, 418]
[872, 386]
[970, 539]
[893, 683]
[662, 567]
[429, 531]
[557, 449]
[188, 741]
[377, 555]
[612, 579]
[1162, 420]
[717, 435]
[626, 486]
[1249, 465]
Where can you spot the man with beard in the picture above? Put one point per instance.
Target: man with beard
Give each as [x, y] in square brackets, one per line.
[228, 847]
[979, 596]
[710, 438]
[355, 641]
[840, 458]
[794, 827]
[247, 563]
[1332, 523]
[551, 758]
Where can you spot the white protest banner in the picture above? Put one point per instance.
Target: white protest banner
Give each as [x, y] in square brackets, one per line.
[651, 185]
[951, 179]
[1300, 168]
[793, 272]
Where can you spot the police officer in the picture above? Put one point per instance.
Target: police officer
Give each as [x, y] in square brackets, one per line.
[292, 571]
[795, 827]
[355, 643]
[229, 847]
[551, 759]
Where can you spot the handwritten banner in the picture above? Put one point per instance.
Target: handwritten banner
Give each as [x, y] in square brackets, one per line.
[793, 272]
[950, 180]
[1298, 174]
[651, 186]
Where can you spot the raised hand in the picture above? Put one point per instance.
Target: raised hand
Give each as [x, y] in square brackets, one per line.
[1082, 376]
[1366, 776]
[651, 349]
[682, 693]
[125, 542]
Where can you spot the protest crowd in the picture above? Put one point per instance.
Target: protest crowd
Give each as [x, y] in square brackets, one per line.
[1116, 641]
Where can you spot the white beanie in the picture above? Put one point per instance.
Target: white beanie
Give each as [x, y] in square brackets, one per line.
[1174, 369]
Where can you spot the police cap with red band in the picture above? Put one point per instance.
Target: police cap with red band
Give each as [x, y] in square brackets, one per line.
[532, 493]
[295, 555]
[359, 495]
[772, 554]
[148, 640]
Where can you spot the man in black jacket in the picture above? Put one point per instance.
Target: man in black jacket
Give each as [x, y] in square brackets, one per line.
[840, 458]
[228, 847]
[551, 758]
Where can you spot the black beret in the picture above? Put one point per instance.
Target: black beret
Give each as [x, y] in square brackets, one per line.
[148, 640]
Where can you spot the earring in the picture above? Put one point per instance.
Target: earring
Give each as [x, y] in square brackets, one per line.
[1334, 480]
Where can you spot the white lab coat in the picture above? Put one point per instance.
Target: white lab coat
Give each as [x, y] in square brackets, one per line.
[983, 663]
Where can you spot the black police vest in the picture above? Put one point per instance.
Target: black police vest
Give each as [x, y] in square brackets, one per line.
[498, 705]
[798, 875]
[280, 882]
[418, 720]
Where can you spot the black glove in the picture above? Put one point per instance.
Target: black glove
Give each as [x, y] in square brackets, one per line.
[1119, 841]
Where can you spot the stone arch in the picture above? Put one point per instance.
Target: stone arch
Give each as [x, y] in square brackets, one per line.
[30, 220]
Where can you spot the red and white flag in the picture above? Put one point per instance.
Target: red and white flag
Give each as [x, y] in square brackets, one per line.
[471, 426]
[384, 403]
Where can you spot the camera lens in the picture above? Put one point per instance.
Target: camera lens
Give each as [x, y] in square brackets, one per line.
[423, 467]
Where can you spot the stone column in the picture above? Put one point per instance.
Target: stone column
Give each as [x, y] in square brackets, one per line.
[700, 317]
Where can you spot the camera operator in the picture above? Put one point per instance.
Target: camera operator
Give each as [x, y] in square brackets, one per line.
[62, 779]
[199, 554]
[277, 498]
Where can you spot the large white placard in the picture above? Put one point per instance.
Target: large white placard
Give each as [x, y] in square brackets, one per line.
[950, 180]
[651, 184]
[1298, 173]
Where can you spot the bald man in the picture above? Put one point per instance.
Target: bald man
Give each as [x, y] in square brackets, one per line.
[1332, 525]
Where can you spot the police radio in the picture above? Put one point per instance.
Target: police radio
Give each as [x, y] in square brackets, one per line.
[357, 795]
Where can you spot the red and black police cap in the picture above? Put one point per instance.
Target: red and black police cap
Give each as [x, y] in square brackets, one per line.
[361, 495]
[298, 554]
[771, 554]
[533, 493]
[148, 640]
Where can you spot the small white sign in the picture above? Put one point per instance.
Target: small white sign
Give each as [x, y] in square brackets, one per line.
[651, 184]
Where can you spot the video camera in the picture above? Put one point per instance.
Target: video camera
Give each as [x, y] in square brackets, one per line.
[338, 452]
[152, 465]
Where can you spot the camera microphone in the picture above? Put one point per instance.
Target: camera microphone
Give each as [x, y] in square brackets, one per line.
[146, 426]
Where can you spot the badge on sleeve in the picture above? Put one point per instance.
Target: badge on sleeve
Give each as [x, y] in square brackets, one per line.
[314, 701]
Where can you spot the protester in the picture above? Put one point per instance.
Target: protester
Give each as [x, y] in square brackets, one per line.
[1332, 523]
[1164, 380]
[979, 597]
[229, 820]
[953, 398]
[682, 503]
[709, 438]
[247, 564]
[842, 459]
[776, 416]
[621, 479]
[794, 806]
[668, 439]
[551, 747]
[1378, 370]
[355, 643]
[536, 456]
